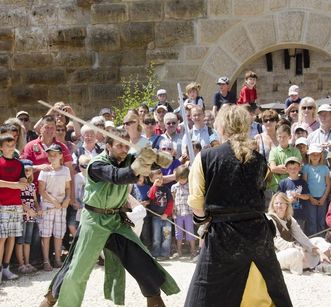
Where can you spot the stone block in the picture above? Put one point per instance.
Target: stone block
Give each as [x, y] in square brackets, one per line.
[109, 13]
[238, 44]
[211, 30]
[219, 7]
[219, 63]
[43, 15]
[4, 77]
[72, 59]
[103, 38]
[4, 59]
[29, 94]
[262, 32]
[77, 94]
[208, 87]
[44, 76]
[7, 34]
[146, 11]
[32, 59]
[162, 55]
[13, 16]
[109, 58]
[195, 52]
[137, 34]
[181, 9]
[31, 39]
[71, 36]
[169, 33]
[290, 26]
[71, 14]
[58, 93]
[182, 71]
[83, 75]
[6, 45]
[133, 56]
[104, 92]
[129, 72]
[277, 4]
[248, 7]
[315, 4]
[318, 30]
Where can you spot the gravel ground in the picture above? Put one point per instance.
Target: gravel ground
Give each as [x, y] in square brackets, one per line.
[310, 289]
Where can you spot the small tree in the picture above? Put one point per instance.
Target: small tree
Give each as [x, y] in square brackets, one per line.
[135, 92]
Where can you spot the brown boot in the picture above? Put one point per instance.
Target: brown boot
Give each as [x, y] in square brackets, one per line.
[155, 301]
[48, 301]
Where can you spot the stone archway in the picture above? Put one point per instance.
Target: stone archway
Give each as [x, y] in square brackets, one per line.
[245, 42]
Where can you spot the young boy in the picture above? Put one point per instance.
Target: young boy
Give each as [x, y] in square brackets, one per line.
[12, 181]
[161, 202]
[182, 212]
[296, 189]
[248, 92]
[54, 189]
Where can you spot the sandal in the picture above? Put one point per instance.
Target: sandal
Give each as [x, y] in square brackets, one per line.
[23, 269]
[47, 267]
[31, 268]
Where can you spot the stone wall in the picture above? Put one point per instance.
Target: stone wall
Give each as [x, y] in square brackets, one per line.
[77, 51]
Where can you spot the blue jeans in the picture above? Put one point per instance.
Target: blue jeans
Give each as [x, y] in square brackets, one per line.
[315, 218]
[161, 237]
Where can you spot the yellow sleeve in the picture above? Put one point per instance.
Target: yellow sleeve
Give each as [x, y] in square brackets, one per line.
[196, 197]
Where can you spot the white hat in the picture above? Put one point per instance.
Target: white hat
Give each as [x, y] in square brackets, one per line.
[161, 106]
[302, 127]
[324, 107]
[109, 123]
[314, 148]
[293, 90]
[223, 80]
[301, 140]
[161, 92]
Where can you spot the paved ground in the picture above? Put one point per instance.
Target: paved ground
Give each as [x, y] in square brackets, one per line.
[310, 289]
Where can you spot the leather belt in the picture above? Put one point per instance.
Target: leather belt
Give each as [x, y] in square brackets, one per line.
[107, 211]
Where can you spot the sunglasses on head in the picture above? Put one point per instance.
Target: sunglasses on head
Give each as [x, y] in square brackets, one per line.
[128, 123]
[24, 119]
[149, 122]
[171, 123]
[307, 108]
[294, 111]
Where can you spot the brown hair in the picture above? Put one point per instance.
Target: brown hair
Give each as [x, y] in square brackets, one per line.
[250, 74]
[284, 128]
[269, 114]
[182, 172]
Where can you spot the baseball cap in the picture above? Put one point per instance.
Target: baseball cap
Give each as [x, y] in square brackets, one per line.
[161, 106]
[22, 113]
[324, 107]
[27, 163]
[314, 148]
[223, 80]
[302, 127]
[161, 92]
[54, 147]
[292, 159]
[105, 111]
[293, 90]
[109, 123]
[301, 140]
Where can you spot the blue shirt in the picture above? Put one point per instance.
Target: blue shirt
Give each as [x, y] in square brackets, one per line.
[316, 178]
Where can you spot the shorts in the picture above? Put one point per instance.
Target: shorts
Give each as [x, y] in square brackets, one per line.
[11, 221]
[26, 237]
[53, 223]
[185, 222]
[71, 216]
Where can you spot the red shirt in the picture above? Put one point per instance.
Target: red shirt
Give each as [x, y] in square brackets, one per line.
[10, 170]
[247, 95]
[35, 151]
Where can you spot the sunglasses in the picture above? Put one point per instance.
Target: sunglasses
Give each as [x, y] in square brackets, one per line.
[128, 123]
[269, 120]
[60, 130]
[149, 122]
[24, 119]
[307, 108]
[84, 166]
[294, 111]
[166, 148]
[171, 123]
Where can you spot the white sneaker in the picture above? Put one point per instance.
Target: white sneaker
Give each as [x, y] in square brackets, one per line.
[8, 275]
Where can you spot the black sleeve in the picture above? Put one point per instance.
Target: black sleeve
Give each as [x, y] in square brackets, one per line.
[22, 174]
[101, 171]
[216, 100]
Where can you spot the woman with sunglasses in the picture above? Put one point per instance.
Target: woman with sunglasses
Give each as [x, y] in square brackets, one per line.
[267, 139]
[291, 113]
[307, 115]
[148, 125]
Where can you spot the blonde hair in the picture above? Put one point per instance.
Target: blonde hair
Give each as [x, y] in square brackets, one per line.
[192, 86]
[284, 198]
[234, 123]
[133, 117]
[307, 101]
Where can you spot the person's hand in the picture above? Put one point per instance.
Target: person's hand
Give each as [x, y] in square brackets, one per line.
[145, 203]
[314, 201]
[294, 194]
[157, 182]
[143, 162]
[32, 213]
[21, 185]
[39, 213]
[164, 216]
[314, 251]
[76, 205]
[321, 201]
[57, 205]
[68, 109]
[43, 167]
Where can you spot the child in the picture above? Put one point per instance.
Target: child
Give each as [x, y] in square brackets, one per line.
[12, 181]
[80, 180]
[31, 209]
[248, 92]
[54, 189]
[192, 91]
[161, 202]
[182, 212]
[317, 176]
[296, 189]
[302, 144]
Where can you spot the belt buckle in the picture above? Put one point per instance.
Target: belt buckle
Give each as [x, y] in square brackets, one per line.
[109, 211]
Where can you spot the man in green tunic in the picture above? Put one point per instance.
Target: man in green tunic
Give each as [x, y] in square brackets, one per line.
[106, 191]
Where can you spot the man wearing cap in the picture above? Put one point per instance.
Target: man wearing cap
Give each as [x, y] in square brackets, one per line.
[106, 113]
[159, 114]
[223, 96]
[293, 93]
[24, 117]
[162, 100]
[322, 135]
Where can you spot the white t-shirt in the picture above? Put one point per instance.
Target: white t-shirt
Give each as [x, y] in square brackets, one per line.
[79, 187]
[55, 184]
